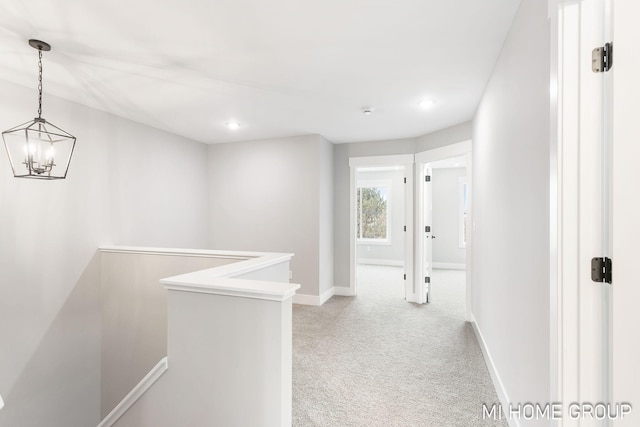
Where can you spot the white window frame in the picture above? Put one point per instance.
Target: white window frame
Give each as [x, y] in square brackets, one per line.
[378, 184]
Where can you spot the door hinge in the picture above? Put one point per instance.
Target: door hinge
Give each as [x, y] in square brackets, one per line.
[427, 229]
[602, 58]
[427, 280]
[405, 277]
[405, 180]
[427, 178]
[405, 228]
[601, 270]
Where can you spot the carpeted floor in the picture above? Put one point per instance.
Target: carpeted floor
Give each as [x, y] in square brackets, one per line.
[376, 360]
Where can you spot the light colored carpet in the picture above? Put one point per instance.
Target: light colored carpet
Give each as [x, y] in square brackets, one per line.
[376, 360]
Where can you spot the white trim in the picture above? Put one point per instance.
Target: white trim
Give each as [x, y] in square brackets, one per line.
[441, 153]
[400, 159]
[252, 264]
[555, 308]
[135, 394]
[248, 261]
[493, 372]
[221, 280]
[303, 299]
[374, 242]
[462, 198]
[314, 300]
[242, 288]
[579, 329]
[450, 265]
[205, 253]
[409, 254]
[387, 262]
[342, 291]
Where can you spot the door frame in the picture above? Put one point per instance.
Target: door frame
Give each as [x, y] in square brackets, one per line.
[578, 322]
[406, 160]
[463, 148]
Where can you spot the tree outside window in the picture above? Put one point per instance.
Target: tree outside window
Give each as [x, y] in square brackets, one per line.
[373, 213]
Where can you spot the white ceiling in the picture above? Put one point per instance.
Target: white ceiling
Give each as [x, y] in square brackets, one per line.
[279, 67]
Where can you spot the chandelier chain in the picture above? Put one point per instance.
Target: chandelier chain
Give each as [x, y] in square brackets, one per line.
[39, 83]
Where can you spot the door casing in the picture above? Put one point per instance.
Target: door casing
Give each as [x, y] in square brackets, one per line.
[423, 158]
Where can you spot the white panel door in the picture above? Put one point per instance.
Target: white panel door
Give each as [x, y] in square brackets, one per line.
[428, 236]
[425, 233]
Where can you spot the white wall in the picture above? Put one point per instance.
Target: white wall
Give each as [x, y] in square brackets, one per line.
[127, 184]
[446, 205]
[326, 216]
[393, 251]
[273, 196]
[342, 153]
[511, 210]
[626, 211]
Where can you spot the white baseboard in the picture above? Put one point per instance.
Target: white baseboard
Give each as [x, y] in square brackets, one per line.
[388, 262]
[304, 299]
[343, 291]
[450, 265]
[135, 394]
[493, 372]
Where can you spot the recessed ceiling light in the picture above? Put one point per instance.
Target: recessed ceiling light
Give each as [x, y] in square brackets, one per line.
[425, 104]
[233, 125]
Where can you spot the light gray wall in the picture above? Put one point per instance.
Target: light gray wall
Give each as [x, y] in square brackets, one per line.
[127, 184]
[268, 196]
[247, 384]
[134, 316]
[511, 210]
[394, 250]
[326, 216]
[342, 153]
[446, 205]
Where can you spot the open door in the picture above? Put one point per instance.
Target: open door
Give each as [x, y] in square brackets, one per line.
[427, 238]
[425, 233]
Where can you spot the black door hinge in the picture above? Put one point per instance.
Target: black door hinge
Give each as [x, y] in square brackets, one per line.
[602, 58]
[427, 280]
[405, 180]
[601, 270]
[427, 229]
[427, 178]
[405, 228]
[405, 277]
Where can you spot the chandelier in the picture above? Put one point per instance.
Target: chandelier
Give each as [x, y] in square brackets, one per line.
[38, 149]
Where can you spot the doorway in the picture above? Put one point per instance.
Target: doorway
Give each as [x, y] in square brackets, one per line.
[381, 235]
[444, 212]
[380, 223]
[417, 264]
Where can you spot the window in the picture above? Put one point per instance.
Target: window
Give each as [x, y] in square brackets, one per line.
[372, 212]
